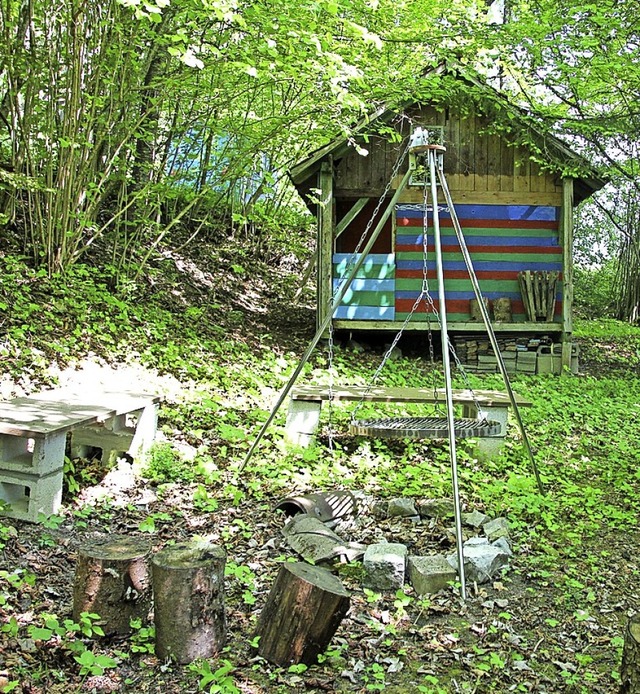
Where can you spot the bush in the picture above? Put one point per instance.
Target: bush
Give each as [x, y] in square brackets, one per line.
[594, 291]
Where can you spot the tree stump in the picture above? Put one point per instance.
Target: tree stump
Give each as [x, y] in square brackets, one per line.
[112, 579]
[188, 584]
[630, 671]
[303, 611]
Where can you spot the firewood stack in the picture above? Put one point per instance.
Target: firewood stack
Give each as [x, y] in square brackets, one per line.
[518, 353]
[538, 290]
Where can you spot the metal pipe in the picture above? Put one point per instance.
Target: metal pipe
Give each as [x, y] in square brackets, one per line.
[446, 367]
[329, 317]
[488, 326]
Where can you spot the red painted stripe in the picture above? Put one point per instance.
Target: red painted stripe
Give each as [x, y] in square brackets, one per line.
[483, 223]
[460, 306]
[460, 274]
[534, 250]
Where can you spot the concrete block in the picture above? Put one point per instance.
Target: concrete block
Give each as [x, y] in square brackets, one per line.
[384, 566]
[303, 418]
[131, 433]
[33, 456]
[30, 495]
[430, 574]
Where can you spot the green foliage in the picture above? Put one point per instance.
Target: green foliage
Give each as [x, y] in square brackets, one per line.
[218, 681]
[594, 291]
[164, 464]
[142, 638]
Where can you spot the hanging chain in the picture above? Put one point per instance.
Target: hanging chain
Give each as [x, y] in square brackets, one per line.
[425, 295]
[352, 260]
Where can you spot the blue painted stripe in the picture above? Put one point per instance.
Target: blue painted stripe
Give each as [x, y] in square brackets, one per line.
[535, 241]
[365, 312]
[539, 213]
[367, 285]
[481, 265]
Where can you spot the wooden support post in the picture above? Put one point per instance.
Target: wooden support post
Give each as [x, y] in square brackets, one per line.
[566, 232]
[188, 584]
[303, 611]
[113, 580]
[325, 217]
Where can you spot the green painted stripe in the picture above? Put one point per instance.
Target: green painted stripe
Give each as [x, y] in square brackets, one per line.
[369, 299]
[496, 257]
[460, 285]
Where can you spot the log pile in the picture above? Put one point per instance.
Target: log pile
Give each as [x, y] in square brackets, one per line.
[518, 353]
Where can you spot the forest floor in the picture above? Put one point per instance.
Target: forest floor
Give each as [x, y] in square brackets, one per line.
[552, 622]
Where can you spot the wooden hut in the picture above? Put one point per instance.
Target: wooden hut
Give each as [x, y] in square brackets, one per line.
[516, 216]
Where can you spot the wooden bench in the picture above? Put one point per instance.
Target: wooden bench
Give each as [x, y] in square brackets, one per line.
[33, 439]
[305, 404]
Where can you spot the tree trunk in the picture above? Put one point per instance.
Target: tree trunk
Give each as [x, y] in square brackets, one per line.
[188, 583]
[303, 611]
[112, 579]
[630, 671]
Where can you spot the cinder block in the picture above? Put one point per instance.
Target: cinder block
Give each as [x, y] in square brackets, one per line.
[131, 433]
[430, 574]
[302, 422]
[384, 566]
[33, 456]
[29, 494]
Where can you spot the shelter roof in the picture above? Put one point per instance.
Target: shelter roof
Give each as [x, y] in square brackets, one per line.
[559, 153]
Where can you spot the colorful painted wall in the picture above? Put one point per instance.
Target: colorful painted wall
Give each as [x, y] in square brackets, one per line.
[502, 240]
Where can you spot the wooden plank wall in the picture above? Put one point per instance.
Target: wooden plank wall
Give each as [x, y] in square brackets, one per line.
[480, 167]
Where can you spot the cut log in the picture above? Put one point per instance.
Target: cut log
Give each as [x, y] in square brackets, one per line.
[502, 310]
[188, 585]
[475, 312]
[630, 671]
[113, 580]
[303, 611]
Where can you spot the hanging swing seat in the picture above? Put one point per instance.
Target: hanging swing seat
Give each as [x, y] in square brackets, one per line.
[424, 428]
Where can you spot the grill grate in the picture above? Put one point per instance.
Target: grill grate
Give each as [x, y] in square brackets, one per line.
[423, 428]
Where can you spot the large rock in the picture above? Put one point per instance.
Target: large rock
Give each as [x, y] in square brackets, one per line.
[504, 545]
[482, 561]
[496, 528]
[430, 574]
[475, 519]
[384, 566]
[401, 508]
[436, 508]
